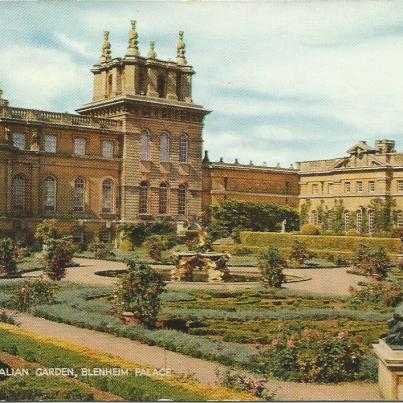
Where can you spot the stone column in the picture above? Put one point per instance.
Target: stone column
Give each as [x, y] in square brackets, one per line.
[171, 85]
[152, 82]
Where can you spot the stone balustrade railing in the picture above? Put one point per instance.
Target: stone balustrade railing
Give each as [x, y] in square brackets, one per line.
[33, 115]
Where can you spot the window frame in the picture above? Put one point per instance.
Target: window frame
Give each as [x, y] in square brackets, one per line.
[22, 139]
[145, 144]
[76, 146]
[163, 199]
[144, 199]
[164, 147]
[79, 202]
[359, 186]
[371, 186]
[184, 145]
[109, 198]
[45, 143]
[47, 197]
[16, 197]
[182, 199]
[400, 186]
[347, 187]
[111, 150]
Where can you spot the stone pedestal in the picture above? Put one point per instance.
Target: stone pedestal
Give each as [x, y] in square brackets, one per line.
[390, 371]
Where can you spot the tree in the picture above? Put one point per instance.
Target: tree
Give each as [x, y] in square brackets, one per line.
[139, 293]
[48, 229]
[372, 260]
[232, 216]
[271, 265]
[299, 252]
[8, 248]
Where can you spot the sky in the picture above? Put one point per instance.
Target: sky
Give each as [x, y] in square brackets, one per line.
[286, 81]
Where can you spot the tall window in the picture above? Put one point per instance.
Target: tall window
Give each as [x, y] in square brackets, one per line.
[18, 191]
[107, 149]
[315, 188]
[50, 143]
[182, 200]
[107, 197]
[49, 202]
[183, 148]
[400, 186]
[163, 199]
[330, 188]
[347, 187]
[358, 219]
[80, 146]
[145, 145]
[359, 186]
[143, 198]
[371, 221]
[314, 217]
[164, 147]
[347, 218]
[19, 140]
[79, 193]
[400, 219]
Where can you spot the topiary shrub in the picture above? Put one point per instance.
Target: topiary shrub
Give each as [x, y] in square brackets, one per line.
[33, 292]
[372, 260]
[57, 256]
[139, 293]
[271, 265]
[312, 356]
[299, 252]
[48, 229]
[101, 250]
[126, 245]
[156, 244]
[309, 229]
[8, 263]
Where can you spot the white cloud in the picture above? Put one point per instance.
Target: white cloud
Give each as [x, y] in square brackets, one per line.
[77, 46]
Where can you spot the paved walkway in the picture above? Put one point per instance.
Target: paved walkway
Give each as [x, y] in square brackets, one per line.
[204, 371]
[323, 281]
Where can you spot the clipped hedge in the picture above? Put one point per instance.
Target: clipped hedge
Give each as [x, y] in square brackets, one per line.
[339, 243]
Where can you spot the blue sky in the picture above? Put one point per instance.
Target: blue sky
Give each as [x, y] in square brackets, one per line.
[287, 81]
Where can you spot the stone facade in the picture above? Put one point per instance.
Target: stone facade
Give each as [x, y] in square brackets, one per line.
[132, 154]
[354, 182]
[235, 181]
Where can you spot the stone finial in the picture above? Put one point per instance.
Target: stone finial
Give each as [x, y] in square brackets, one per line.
[152, 54]
[3, 102]
[106, 49]
[133, 48]
[206, 159]
[180, 50]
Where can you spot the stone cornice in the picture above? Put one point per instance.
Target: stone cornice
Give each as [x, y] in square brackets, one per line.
[243, 167]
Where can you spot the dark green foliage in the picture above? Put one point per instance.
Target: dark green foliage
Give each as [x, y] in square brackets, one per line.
[101, 250]
[232, 216]
[156, 244]
[372, 260]
[299, 252]
[137, 233]
[33, 292]
[57, 256]
[271, 264]
[48, 229]
[32, 388]
[139, 292]
[8, 263]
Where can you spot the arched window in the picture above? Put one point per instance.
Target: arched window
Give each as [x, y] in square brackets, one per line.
[19, 193]
[143, 198]
[314, 217]
[107, 196]
[371, 221]
[161, 86]
[184, 148]
[145, 145]
[358, 220]
[182, 200]
[347, 218]
[79, 193]
[163, 198]
[164, 152]
[49, 202]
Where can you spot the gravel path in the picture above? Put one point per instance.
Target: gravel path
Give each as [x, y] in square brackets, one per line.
[323, 281]
[204, 371]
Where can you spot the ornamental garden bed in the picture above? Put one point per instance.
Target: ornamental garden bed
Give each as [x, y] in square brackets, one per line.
[232, 328]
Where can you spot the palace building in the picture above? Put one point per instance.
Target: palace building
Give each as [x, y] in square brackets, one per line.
[133, 153]
[252, 183]
[364, 187]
